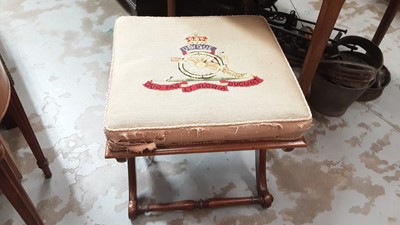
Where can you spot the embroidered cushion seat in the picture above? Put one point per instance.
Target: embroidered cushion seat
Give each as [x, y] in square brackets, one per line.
[190, 80]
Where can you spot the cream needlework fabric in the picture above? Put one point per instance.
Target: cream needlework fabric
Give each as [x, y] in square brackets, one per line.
[201, 79]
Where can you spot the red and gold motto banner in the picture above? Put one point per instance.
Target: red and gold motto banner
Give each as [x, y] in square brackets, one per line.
[222, 86]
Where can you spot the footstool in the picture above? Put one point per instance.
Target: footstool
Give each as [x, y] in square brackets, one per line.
[182, 85]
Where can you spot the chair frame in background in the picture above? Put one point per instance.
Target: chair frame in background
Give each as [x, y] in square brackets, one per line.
[10, 176]
[17, 112]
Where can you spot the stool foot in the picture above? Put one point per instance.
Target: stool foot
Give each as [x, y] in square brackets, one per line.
[266, 200]
[261, 178]
[44, 166]
[132, 210]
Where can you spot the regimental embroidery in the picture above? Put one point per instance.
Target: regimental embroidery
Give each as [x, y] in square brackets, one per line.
[201, 68]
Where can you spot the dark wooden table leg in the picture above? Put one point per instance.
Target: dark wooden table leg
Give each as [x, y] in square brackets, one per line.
[390, 13]
[171, 7]
[133, 204]
[326, 20]
[15, 193]
[261, 178]
[21, 119]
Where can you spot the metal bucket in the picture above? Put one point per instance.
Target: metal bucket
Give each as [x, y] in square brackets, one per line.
[330, 99]
[372, 93]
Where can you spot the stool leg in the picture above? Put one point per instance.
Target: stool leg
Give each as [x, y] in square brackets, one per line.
[132, 207]
[16, 194]
[261, 179]
[20, 118]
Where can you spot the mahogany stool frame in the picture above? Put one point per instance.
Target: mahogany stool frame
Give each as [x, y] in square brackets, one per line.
[264, 198]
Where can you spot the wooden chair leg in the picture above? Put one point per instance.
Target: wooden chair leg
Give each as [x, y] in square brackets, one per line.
[8, 121]
[390, 13]
[12, 165]
[16, 194]
[22, 121]
[133, 204]
[261, 178]
[8, 157]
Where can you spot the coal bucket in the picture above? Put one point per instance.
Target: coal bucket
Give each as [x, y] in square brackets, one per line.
[330, 99]
[342, 78]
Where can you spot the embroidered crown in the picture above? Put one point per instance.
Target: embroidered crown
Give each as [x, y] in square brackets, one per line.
[196, 39]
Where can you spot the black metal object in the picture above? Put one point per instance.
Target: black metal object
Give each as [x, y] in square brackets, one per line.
[198, 7]
[216, 7]
[294, 34]
[128, 5]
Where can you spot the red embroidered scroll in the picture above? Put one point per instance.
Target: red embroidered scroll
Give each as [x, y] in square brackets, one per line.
[204, 85]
